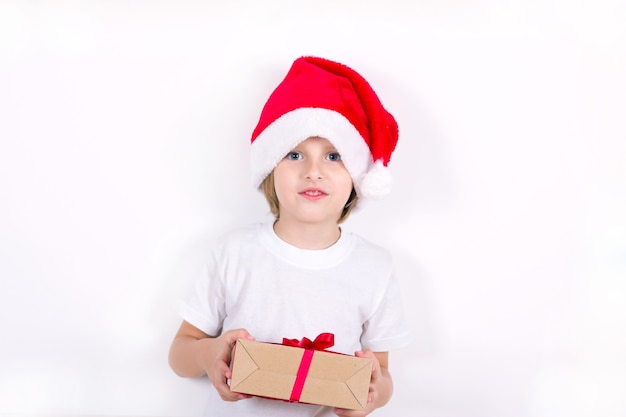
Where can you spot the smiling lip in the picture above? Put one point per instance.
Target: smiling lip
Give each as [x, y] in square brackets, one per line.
[313, 194]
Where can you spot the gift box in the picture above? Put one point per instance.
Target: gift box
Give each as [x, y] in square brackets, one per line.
[301, 371]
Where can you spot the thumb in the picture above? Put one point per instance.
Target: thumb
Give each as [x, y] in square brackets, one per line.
[233, 335]
[367, 353]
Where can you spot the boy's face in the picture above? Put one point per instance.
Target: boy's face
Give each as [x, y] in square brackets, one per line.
[312, 183]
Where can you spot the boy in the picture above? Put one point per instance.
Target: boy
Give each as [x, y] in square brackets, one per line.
[319, 151]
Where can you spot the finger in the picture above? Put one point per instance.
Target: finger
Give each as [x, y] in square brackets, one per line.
[375, 373]
[246, 335]
[240, 334]
[224, 391]
[222, 373]
[342, 412]
[223, 388]
[366, 354]
[227, 395]
[232, 336]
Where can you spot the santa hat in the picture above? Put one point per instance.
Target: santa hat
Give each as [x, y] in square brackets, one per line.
[323, 98]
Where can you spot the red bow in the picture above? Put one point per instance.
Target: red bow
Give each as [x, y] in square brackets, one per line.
[322, 341]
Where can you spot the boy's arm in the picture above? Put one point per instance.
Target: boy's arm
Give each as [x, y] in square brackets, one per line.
[186, 352]
[194, 353]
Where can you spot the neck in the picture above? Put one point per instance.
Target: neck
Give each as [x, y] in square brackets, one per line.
[307, 236]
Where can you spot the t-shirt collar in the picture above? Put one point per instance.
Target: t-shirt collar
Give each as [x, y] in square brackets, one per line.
[306, 258]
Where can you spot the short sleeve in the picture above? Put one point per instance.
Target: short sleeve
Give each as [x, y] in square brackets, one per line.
[203, 306]
[387, 328]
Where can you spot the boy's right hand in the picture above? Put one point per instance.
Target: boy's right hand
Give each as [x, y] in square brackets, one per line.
[194, 353]
[217, 362]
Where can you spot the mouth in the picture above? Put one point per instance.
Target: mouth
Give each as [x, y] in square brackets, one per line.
[313, 194]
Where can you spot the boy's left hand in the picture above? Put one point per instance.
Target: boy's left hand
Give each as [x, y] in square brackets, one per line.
[380, 385]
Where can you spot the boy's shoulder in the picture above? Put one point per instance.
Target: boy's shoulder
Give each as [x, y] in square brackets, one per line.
[368, 248]
[239, 241]
[248, 232]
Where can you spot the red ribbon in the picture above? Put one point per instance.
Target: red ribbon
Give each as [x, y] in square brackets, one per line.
[321, 342]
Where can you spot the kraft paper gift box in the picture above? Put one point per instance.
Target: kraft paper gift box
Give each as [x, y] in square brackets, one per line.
[306, 375]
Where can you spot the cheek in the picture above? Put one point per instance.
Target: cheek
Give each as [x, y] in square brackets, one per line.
[283, 181]
[346, 185]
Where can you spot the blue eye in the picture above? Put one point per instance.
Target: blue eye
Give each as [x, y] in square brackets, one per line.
[294, 156]
[333, 156]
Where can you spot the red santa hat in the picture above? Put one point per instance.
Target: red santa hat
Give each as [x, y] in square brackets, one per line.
[323, 98]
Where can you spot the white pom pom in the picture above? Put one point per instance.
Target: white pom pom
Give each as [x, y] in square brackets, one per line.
[377, 182]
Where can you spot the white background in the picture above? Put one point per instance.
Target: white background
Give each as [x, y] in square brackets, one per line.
[124, 138]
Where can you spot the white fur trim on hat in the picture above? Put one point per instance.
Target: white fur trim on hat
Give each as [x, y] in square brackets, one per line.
[286, 132]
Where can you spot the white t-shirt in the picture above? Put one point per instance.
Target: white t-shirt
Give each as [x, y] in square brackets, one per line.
[254, 280]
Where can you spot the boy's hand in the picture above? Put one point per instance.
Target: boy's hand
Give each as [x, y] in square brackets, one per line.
[194, 353]
[217, 362]
[380, 385]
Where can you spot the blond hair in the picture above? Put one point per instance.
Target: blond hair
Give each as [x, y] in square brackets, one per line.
[269, 191]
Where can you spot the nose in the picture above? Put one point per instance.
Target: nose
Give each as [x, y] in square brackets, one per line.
[313, 169]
